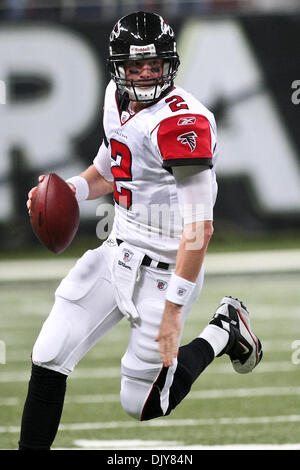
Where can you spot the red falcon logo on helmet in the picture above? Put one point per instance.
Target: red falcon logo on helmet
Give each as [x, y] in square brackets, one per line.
[189, 138]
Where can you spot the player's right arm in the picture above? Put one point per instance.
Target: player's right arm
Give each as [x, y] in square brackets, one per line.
[94, 182]
[98, 185]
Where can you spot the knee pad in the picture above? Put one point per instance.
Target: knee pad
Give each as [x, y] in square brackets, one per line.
[50, 347]
[143, 399]
[134, 393]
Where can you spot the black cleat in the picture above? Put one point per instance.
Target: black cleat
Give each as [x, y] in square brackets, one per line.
[243, 348]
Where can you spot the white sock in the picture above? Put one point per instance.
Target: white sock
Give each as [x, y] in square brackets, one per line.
[216, 337]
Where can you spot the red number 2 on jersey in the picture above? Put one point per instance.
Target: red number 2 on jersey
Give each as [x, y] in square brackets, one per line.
[176, 103]
[121, 172]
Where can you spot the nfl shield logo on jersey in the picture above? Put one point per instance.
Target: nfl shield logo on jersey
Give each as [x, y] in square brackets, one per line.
[127, 255]
[161, 285]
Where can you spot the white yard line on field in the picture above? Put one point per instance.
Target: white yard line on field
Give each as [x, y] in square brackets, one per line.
[251, 262]
[16, 353]
[168, 423]
[126, 444]
[115, 372]
[209, 394]
[94, 444]
[11, 401]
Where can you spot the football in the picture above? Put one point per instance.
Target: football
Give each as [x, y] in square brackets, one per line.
[54, 213]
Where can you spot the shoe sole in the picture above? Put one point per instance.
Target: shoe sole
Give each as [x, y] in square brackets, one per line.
[245, 330]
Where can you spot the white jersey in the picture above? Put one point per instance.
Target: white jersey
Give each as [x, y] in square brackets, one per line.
[141, 150]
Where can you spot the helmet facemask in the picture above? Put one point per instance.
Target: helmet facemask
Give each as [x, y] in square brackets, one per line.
[137, 89]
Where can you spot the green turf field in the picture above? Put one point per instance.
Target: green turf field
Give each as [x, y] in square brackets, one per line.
[224, 408]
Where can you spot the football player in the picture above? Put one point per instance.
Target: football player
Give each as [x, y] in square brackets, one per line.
[158, 157]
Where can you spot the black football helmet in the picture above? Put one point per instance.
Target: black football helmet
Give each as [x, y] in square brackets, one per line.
[140, 36]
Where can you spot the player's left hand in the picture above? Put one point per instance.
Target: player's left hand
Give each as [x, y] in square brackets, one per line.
[169, 331]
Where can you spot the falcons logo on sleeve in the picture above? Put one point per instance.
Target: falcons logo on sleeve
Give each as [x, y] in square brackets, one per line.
[188, 138]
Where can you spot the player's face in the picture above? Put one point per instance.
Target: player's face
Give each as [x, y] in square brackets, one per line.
[145, 71]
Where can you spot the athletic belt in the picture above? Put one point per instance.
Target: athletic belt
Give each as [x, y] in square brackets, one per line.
[147, 261]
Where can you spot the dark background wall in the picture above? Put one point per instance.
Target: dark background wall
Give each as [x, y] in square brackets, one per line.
[37, 74]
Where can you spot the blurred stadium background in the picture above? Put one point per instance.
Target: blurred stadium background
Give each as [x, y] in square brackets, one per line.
[241, 59]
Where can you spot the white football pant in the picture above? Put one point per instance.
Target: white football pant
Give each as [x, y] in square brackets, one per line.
[85, 309]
